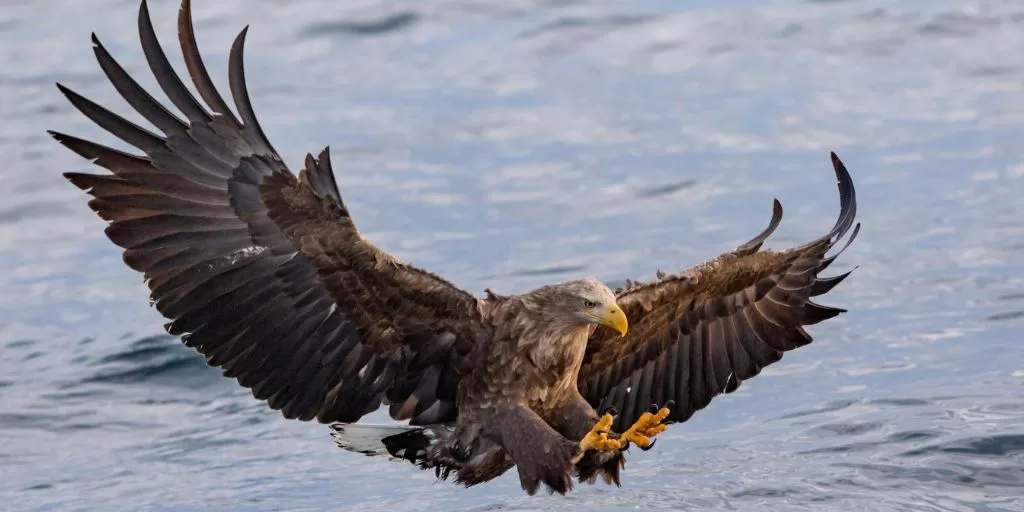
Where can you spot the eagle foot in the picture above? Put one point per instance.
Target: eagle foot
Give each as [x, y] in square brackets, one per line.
[597, 438]
[646, 427]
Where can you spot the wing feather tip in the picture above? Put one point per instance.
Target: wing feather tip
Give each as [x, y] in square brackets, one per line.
[79, 179]
[144, 19]
[238, 45]
[755, 243]
[65, 90]
[816, 313]
[840, 168]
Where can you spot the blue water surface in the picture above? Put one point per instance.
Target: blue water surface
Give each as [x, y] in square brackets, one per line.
[511, 144]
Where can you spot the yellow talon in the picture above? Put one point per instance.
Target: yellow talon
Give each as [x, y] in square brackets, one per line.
[597, 438]
[646, 427]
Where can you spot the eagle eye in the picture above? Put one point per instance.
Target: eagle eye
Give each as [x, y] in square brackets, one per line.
[587, 303]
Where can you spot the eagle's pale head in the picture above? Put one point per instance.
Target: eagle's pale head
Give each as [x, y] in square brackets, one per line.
[582, 302]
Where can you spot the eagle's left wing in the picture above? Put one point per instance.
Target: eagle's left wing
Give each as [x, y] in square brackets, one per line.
[696, 335]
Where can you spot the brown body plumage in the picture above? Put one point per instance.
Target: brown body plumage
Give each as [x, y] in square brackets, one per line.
[265, 274]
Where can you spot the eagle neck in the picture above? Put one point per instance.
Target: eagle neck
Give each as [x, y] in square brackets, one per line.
[552, 342]
[557, 347]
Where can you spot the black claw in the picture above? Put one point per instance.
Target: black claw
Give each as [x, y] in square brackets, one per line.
[653, 409]
[670, 404]
[610, 410]
[648, 447]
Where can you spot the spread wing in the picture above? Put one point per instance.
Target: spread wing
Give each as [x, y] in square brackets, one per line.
[696, 335]
[260, 271]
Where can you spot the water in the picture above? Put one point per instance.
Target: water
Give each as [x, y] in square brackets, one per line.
[509, 145]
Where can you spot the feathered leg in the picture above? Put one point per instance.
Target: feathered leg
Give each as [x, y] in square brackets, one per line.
[540, 453]
[576, 419]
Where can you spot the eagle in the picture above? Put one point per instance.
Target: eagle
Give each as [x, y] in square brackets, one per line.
[264, 273]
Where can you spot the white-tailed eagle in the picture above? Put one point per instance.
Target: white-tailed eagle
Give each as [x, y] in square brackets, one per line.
[265, 274]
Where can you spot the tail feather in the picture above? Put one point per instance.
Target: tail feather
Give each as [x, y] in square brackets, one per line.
[395, 441]
[428, 447]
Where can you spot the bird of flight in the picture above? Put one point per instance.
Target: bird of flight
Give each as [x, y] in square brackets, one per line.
[265, 274]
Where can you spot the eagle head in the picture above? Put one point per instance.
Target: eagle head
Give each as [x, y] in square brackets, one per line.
[582, 302]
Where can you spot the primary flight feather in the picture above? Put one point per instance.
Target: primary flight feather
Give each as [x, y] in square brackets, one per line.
[265, 274]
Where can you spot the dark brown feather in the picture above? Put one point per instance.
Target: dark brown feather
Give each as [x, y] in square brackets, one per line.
[696, 335]
[264, 273]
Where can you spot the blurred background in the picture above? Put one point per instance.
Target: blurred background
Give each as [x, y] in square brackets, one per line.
[510, 144]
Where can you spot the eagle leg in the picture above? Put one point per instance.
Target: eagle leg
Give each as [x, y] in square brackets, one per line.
[646, 427]
[597, 438]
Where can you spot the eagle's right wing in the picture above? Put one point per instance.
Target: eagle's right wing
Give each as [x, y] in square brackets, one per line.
[262, 272]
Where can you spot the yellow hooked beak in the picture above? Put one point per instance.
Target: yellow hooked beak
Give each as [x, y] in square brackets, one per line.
[613, 317]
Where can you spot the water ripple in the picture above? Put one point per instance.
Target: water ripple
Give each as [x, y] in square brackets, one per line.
[390, 23]
[999, 446]
[153, 359]
[511, 144]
